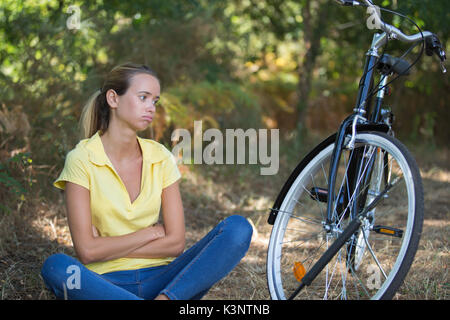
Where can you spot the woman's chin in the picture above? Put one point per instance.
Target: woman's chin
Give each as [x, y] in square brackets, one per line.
[143, 127]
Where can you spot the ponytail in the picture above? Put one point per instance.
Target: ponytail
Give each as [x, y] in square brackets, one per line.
[95, 114]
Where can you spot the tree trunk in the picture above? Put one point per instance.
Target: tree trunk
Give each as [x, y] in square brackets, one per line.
[313, 30]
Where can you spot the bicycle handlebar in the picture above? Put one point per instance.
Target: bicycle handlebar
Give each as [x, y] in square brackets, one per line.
[392, 31]
[433, 45]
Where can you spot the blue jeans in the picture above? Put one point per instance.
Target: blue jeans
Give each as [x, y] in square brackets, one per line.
[189, 276]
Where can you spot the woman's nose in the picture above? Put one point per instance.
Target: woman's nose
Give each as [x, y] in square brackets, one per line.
[150, 107]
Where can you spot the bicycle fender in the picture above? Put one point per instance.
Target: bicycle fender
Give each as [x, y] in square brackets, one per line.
[332, 138]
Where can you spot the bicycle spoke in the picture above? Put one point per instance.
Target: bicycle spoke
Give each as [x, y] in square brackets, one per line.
[316, 222]
[304, 240]
[317, 200]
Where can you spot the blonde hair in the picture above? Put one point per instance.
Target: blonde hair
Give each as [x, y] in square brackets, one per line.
[96, 112]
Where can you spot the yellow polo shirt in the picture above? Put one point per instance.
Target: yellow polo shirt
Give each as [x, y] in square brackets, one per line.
[112, 212]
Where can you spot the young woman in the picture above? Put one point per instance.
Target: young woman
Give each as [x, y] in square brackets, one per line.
[115, 184]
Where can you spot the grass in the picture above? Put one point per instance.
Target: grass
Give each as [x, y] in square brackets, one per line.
[39, 228]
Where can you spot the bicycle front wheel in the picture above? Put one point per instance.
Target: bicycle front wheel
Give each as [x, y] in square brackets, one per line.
[376, 259]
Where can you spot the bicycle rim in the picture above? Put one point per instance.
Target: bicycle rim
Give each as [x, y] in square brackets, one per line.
[374, 263]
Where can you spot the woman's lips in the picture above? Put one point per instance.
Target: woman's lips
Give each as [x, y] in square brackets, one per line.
[148, 118]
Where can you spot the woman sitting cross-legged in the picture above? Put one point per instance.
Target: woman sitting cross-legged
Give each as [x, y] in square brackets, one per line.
[115, 183]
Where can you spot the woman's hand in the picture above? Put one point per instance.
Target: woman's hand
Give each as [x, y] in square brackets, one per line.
[156, 231]
[95, 231]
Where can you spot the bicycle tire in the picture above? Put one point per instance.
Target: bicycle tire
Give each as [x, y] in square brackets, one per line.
[281, 280]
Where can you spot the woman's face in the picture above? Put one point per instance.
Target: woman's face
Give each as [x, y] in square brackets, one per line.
[136, 107]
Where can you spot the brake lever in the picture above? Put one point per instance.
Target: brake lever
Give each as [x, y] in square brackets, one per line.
[442, 57]
[443, 68]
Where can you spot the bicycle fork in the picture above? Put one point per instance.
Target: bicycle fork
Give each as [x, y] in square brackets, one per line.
[351, 173]
[356, 160]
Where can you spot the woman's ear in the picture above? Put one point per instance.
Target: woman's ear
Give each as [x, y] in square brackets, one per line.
[112, 98]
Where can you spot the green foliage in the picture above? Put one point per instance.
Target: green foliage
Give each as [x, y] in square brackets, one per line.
[220, 104]
[14, 180]
[231, 63]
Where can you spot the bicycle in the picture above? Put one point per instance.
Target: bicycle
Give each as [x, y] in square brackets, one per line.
[347, 222]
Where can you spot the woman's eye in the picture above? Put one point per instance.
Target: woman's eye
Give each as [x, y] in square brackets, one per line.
[155, 102]
[142, 97]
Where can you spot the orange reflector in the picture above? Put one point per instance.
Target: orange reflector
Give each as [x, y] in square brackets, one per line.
[299, 271]
[382, 230]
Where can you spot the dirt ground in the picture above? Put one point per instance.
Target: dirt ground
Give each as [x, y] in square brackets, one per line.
[39, 229]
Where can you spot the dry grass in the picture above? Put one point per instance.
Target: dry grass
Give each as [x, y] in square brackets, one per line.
[39, 228]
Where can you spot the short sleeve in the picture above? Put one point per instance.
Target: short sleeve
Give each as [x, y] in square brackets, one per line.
[170, 170]
[73, 171]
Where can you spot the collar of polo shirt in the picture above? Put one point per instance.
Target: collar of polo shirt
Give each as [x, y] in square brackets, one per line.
[97, 154]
